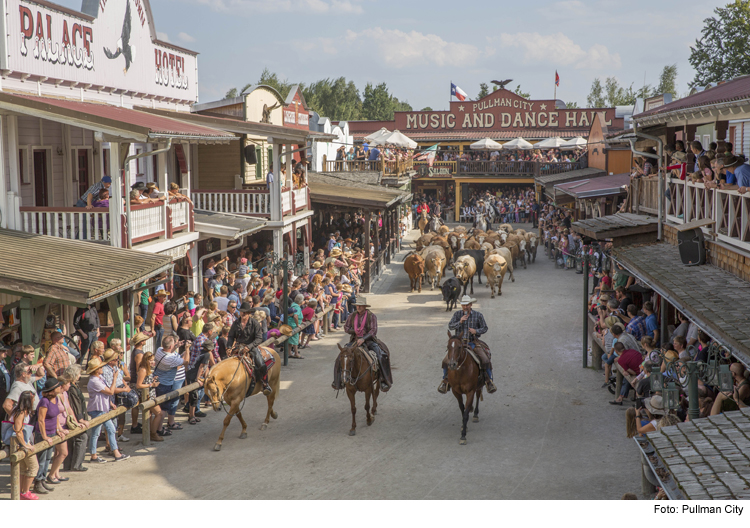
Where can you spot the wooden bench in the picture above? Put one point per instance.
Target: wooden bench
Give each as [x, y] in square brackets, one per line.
[621, 374]
[597, 345]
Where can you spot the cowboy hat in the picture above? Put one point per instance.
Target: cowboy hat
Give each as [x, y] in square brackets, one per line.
[731, 161]
[286, 330]
[316, 265]
[346, 288]
[361, 301]
[679, 156]
[163, 293]
[655, 405]
[466, 300]
[335, 252]
[108, 355]
[210, 318]
[50, 385]
[140, 337]
[93, 365]
[246, 307]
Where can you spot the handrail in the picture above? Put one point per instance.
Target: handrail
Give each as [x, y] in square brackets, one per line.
[244, 191]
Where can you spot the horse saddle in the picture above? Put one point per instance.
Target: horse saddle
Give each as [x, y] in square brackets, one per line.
[476, 354]
[371, 358]
[247, 362]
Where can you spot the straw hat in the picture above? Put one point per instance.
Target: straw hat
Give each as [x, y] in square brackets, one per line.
[108, 355]
[286, 330]
[346, 288]
[93, 365]
[335, 252]
[655, 405]
[140, 337]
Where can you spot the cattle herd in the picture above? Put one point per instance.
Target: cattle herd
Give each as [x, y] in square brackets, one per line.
[468, 252]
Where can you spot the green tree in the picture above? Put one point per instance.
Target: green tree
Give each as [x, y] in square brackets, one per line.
[520, 92]
[426, 109]
[377, 104]
[401, 106]
[595, 98]
[337, 99]
[667, 81]
[571, 104]
[723, 51]
[617, 95]
[484, 91]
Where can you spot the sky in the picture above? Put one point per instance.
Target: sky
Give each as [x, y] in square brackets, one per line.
[419, 47]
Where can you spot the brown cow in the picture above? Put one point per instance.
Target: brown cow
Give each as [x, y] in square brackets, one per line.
[443, 243]
[424, 241]
[443, 230]
[521, 243]
[532, 242]
[464, 269]
[507, 255]
[434, 257]
[472, 243]
[456, 240]
[414, 267]
[495, 268]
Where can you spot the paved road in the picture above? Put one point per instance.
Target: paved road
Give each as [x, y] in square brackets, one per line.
[548, 433]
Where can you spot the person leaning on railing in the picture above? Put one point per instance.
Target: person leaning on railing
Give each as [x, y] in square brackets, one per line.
[18, 426]
[76, 409]
[100, 403]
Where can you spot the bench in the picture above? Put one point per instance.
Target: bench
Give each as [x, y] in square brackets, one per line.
[597, 345]
[620, 375]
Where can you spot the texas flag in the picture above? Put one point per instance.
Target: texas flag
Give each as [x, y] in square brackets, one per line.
[557, 79]
[458, 93]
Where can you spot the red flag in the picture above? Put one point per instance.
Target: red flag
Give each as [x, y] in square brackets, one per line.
[557, 79]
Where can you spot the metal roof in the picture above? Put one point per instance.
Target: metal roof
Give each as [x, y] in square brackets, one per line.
[734, 90]
[714, 299]
[71, 271]
[109, 119]
[226, 225]
[592, 187]
[616, 225]
[340, 191]
[549, 180]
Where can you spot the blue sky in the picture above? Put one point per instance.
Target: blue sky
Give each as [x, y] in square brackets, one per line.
[419, 47]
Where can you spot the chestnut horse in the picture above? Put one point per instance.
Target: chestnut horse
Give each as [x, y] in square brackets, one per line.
[357, 376]
[228, 382]
[463, 377]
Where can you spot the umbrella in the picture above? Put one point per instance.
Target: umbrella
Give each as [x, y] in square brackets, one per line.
[574, 143]
[518, 143]
[375, 135]
[397, 139]
[553, 142]
[486, 144]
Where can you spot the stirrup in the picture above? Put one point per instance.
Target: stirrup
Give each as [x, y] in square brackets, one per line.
[443, 388]
[490, 386]
[266, 388]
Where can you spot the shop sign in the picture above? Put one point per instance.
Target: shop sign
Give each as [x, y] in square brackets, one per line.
[118, 48]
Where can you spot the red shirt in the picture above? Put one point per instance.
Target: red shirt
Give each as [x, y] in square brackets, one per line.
[158, 312]
[308, 313]
[631, 360]
[424, 207]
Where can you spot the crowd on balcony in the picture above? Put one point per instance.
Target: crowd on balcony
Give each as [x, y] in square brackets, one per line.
[365, 152]
[545, 156]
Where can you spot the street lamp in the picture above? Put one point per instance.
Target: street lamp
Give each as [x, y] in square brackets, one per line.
[285, 266]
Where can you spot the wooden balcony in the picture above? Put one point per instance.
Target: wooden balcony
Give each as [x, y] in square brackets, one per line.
[250, 202]
[149, 222]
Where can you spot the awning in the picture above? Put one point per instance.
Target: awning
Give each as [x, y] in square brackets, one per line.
[240, 126]
[375, 198]
[616, 226]
[550, 180]
[593, 188]
[714, 299]
[71, 271]
[226, 225]
[112, 120]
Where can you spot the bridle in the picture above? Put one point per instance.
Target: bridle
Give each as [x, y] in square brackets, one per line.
[347, 372]
[462, 352]
[220, 395]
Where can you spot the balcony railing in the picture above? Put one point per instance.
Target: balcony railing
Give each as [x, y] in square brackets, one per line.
[351, 166]
[249, 202]
[75, 223]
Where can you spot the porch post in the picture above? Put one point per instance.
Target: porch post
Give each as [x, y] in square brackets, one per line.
[116, 203]
[11, 215]
[193, 251]
[276, 186]
[115, 303]
[368, 264]
[27, 321]
[288, 163]
[162, 181]
[3, 188]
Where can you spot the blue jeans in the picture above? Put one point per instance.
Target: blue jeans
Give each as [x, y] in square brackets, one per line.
[625, 388]
[157, 337]
[144, 312]
[84, 226]
[169, 407]
[44, 458]
[109, 427]
[86, 343]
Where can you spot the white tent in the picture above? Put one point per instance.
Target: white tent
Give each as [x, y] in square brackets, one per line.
[396, 139]
[577, 142]
[550, 143]
[518, 143]
[486, 144]
[375, 135]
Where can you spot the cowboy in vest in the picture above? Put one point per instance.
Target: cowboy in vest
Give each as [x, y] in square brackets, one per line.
[247, 331]
[469, 325]
[362, 325]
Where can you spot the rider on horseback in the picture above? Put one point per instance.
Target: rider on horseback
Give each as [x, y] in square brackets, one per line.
[362, 325]
[468, 325]
[247, 331]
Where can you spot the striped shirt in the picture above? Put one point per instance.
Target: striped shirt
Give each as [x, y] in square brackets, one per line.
[94, 189]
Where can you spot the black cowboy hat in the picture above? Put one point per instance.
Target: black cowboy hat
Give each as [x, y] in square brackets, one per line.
[138, 186]
[246, 307]
[50, 385]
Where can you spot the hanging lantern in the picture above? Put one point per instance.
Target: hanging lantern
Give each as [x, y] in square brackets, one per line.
[726, 381]
[671, 396]
[657, 381]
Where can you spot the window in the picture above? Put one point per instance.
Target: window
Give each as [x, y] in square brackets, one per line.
[82, 170]
[105, 161]
[25, 180]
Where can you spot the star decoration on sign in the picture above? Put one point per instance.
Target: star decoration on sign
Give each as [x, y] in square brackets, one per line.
[543, 106]
[460, 108]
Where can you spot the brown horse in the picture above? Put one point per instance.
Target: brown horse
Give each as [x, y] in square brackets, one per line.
[228, 382]
[357, 376]
[423, 222]
[463, 377]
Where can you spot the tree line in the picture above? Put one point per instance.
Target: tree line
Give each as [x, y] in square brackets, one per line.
[337, 99]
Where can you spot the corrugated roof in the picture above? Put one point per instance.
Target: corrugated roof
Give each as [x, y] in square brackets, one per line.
[733, 90]
[597, 186]
[548, 180]
[225, 224]
[340, 191]
[134, 120]
[71, 271]
[609, 226]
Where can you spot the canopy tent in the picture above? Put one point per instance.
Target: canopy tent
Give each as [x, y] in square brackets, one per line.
[518, 143]
[396, 139]
[486, 144]
[577, 142]
[550, 143]
[376, 135]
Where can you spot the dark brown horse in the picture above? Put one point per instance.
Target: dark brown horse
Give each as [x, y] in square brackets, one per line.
[229, 382]
[463, 377]
[357, 376]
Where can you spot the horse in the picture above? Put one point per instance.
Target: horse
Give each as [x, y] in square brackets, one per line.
[481, 222]
[463, 378]
[423, 221]
[434, 224]
[228, 381]
[357, 376]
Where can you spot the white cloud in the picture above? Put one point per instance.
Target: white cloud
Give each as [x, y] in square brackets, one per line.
[184, 37]
[400, 49]
[250, 7]
[162, 36]
[560, 50]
